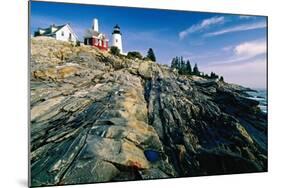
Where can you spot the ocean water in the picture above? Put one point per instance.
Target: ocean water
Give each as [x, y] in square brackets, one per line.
[261, 97]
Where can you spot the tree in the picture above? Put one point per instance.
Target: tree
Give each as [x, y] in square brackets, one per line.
[221, 79]
[134, 54]
[213, 75]
[196, 70]
[114, 50]
[173, 63]
[181, 63]
[151, 55]
[177, 63]
[188, 67]
[184, 67]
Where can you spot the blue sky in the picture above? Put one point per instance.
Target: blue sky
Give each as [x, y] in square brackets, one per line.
[231, 45]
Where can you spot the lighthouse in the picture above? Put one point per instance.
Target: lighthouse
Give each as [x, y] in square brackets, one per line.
[95, 26]
[117, 38]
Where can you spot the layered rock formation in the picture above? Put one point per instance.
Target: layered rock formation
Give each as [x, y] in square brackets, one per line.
[97, 118]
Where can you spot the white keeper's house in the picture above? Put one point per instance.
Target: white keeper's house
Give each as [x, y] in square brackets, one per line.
[61, 32]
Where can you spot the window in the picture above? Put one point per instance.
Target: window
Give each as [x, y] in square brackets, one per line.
[69, 38]
[62, 33]
[116, 40]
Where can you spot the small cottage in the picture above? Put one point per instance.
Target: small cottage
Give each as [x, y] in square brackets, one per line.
[94, 38]
[62, 32]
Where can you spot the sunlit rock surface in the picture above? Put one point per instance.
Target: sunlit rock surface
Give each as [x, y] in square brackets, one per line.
[97, 117]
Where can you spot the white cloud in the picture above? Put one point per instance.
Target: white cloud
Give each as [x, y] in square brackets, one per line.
[246, 17]
[227, 48]
[204, 24]
[250, 73]
[251, 49]
[244, 27]
[212, 21]
[243, 52]
[246, 66]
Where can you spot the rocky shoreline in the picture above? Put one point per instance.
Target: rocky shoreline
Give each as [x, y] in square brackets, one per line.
[96, 117]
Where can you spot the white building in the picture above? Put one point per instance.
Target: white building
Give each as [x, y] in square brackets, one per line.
[117, 38]
[62, 32]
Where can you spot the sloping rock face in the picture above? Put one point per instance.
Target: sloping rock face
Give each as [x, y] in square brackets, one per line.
[97, 118]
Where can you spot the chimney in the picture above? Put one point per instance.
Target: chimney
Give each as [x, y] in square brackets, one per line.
[95, 25]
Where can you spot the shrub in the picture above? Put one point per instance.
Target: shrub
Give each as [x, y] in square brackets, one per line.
[114, 50]
[196, 70]
[146, 59]
[78, 43]
[134, 54]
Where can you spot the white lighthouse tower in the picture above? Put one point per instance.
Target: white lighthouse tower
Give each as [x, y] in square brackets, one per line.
[117, 38]
[95, 26]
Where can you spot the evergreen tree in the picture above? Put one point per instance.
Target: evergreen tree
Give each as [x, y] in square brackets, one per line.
[172, 63]
[184, 68]
[151, 55]
[181, 65]
[188, 67]
[221, 79]
[177, 63]
[196, 70]
[213, 75]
